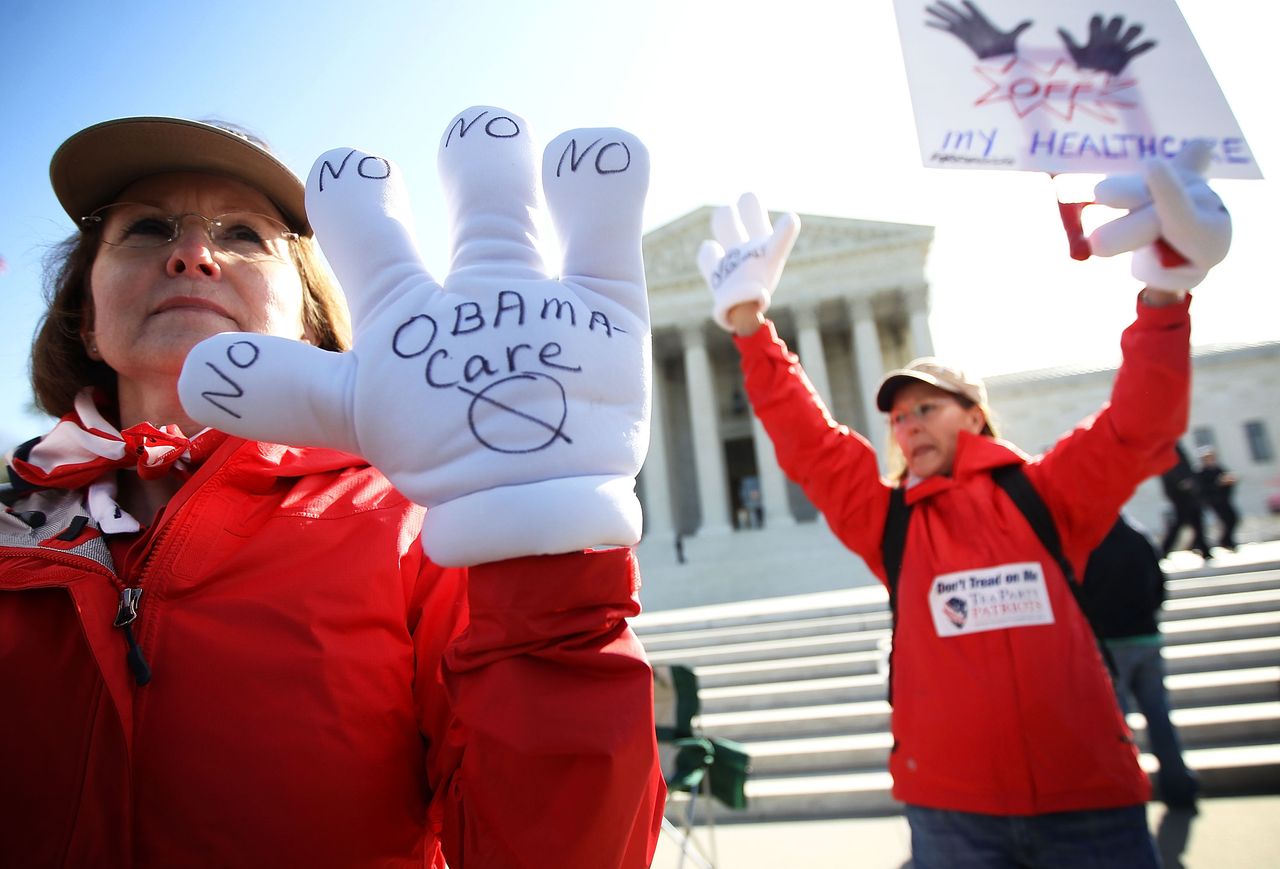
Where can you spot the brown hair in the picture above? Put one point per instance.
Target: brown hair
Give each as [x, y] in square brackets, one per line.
[60, 365]
[897, 462]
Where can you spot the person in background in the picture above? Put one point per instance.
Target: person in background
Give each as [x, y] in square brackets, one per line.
[1122, 592]
[220, 649]
[1182, 491]
[1009, 746]
[1217, 487]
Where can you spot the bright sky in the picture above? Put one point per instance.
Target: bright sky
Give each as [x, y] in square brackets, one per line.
[804, 101]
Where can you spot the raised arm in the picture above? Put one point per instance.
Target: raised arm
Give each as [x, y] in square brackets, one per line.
[1178, 229]
[835, 466]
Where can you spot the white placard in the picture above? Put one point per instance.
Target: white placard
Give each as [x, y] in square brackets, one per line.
[1062, 87]
[989, 599]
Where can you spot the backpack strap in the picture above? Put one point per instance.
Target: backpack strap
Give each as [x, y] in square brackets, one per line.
[894, 542]
[892, 546]
[1013, 479]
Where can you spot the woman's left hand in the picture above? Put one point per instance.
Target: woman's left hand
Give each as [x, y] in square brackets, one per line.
[1170, 207]
[513, 405]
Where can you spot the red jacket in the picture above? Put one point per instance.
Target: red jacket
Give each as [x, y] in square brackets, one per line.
[1007, 720]
[322, 695]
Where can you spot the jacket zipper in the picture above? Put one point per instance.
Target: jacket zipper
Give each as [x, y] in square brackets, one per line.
[126, 613]
[130, 609]
[130, 600]
[131, 595]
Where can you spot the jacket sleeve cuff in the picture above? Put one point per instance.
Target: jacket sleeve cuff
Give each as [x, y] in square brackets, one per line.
[758, 340]
[542, 598]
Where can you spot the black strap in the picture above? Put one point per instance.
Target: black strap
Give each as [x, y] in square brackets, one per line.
[1013, 480]
[18, 487]
[894, 542]
[892, 546]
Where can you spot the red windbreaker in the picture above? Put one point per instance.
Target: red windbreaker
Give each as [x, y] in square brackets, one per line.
[322, 695]
[1013, 720]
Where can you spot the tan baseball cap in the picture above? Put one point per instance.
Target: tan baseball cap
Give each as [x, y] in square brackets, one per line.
[930, 370]
[91, 168]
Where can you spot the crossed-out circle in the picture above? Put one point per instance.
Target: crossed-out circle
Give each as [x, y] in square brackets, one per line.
[503, 418]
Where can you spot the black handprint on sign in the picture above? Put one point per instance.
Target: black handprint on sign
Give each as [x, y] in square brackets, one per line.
[1106, 50]
[974, 30]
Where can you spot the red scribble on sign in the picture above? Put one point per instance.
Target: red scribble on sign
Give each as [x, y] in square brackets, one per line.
[1059, 88]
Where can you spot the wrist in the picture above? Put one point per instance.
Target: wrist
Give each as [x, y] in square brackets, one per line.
[1155, 298]
[745, 319]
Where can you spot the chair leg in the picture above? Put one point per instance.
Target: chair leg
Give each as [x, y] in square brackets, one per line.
[690, 847]
[711, 821]
[688, 829]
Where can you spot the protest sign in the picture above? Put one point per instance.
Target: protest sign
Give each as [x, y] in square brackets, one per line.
[1048, 86]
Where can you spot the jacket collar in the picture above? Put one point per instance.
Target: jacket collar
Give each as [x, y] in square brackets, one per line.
[261, 459]
[975, 455]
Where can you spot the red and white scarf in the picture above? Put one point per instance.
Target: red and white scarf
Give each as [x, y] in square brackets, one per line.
[85, 450]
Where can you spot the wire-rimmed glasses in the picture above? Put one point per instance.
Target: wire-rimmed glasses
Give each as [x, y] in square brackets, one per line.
[921, 412]
[244, 234]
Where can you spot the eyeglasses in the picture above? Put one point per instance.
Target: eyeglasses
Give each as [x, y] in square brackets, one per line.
[921, 412]
[244, 234]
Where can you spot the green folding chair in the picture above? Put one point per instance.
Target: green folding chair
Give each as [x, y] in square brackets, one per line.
[693, 763]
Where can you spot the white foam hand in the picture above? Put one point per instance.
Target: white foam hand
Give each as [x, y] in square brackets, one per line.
[745, 261]
[1170, 206]
[513, 405]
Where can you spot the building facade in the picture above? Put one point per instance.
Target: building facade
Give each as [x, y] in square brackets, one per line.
[853, 303]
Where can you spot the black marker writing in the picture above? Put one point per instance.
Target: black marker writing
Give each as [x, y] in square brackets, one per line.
[497, 127]
[378, 162]
[486, 409]
[241, 354]
[616, 163]
[379, 170]
[560, 308]
[521, 376]
[732, 260]
[419, 330]
[247, 352]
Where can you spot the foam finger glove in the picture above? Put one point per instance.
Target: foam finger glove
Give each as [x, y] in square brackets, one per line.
[745, 260]
[513, 405]
[1170, 207]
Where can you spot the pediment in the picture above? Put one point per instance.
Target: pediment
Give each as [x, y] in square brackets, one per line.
[671, 250]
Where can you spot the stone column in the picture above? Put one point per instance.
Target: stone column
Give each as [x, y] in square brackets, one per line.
[773, 483]
[708, 452]
[921, 336]
[659, 522]
[866, 351]
[812, 357]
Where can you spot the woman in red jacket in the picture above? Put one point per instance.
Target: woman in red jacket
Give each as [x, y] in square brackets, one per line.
[1009, 748]
[222, 649]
